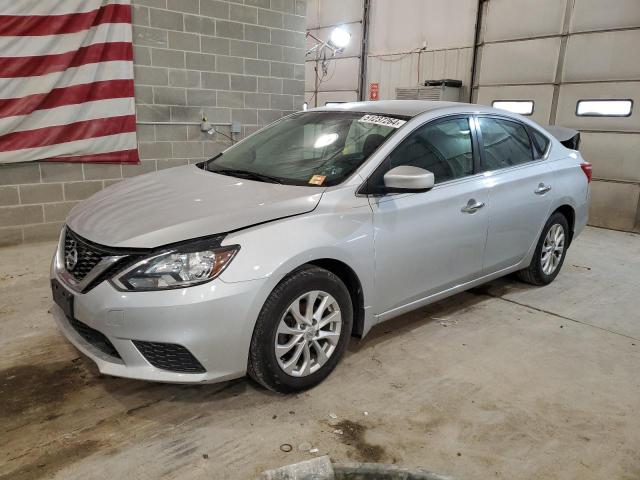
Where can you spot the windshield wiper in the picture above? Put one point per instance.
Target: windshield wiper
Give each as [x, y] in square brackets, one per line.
[205, 165]
[234, 172]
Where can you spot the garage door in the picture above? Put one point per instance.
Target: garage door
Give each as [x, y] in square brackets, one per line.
[576, 64]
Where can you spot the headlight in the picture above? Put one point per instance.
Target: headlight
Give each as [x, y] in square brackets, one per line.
[176, 268]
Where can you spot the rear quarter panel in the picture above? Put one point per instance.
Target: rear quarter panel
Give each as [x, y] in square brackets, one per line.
[570, 185]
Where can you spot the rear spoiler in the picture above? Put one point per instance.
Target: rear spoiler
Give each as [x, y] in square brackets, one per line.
[568, 137]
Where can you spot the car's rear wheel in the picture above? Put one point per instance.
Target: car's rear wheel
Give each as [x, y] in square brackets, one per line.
[550, 252]
[302, 331]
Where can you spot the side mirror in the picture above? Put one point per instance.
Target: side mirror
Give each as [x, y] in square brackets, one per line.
[408, 179]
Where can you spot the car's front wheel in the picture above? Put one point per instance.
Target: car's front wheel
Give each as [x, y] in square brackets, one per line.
[302, 331]
[550, 252]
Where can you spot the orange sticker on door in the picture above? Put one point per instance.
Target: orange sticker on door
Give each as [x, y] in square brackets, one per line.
[317, 179]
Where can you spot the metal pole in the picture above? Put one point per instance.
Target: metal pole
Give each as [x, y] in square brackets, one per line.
[364, 52]
[476, 43]
[316, 85]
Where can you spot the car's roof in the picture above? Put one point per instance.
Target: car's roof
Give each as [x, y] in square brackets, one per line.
[408, 108]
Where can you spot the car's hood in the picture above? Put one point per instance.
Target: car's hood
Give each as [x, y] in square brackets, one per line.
[182, 203]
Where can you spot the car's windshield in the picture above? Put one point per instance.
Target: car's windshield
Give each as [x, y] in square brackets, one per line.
[309, 148]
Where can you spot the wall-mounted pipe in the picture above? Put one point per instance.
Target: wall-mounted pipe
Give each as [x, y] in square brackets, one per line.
[364, 52]
[476, 44]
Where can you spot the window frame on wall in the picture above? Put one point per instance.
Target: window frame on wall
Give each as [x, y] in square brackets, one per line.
[532, 102]
[609, 115]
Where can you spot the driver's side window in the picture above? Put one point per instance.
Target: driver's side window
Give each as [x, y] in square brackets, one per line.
[444, 148]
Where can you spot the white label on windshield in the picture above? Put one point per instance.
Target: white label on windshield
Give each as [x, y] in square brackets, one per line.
[385, 121]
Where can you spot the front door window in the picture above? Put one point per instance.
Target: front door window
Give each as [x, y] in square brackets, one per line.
[445, 148]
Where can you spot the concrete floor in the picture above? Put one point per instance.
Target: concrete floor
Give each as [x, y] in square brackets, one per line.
[506, 381]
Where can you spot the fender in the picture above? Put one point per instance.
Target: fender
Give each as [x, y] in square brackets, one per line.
[340, 228]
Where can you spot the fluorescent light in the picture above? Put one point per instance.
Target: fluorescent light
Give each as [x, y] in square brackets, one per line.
[604, 108]
[522, 107]
[305, 106]
[339, 38]
[325, 140]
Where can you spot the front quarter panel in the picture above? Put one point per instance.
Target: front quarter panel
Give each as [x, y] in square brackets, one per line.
[340, 228]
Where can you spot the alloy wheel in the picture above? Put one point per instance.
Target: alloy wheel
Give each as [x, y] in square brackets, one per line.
[552, 249]
[308, 333]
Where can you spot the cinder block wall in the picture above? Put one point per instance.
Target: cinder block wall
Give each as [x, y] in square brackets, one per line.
[229, 60]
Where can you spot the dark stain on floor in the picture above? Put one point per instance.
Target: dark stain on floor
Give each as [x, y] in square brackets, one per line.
[39, 386]
[48, 464]
[353, 435]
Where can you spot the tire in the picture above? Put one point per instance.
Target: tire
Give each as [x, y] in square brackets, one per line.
[535, 273]
[297, 290]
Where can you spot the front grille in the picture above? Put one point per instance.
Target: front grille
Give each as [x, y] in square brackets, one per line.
[94, 337]
[80, 257]
[169, 356]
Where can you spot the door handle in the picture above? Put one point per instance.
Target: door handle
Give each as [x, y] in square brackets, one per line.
[542, 189]
[472, 206]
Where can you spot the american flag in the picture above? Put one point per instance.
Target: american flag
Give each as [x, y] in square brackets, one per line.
[66, 81]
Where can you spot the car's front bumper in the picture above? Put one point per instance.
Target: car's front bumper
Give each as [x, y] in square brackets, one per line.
[213, 321]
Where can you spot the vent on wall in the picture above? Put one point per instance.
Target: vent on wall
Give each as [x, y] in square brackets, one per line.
[447, 90]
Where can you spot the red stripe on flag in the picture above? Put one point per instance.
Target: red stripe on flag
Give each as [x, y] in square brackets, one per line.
[122, 156]
[32, 25]
[42, 64]
[41, 137]
[59, 97]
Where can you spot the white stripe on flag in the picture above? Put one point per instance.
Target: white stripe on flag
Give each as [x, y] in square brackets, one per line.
[89, 146]
[25, 46]
[113, 107]
[19, 87]
[51, 7]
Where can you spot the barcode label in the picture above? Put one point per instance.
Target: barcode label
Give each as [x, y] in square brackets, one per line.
[384, 121]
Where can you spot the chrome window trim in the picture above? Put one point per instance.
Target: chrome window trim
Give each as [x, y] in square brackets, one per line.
[511, 168]
[479, 175]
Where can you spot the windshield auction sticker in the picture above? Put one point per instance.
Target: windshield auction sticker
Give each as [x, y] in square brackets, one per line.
[317, 179]
[385, 121]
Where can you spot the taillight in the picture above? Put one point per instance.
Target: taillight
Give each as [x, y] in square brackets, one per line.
[587, 169]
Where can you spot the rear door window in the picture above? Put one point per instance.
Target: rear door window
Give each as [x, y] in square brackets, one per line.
[506, 143]
[540, 143]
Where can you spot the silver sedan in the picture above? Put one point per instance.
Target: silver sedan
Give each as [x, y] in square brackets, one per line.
[267, 258]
